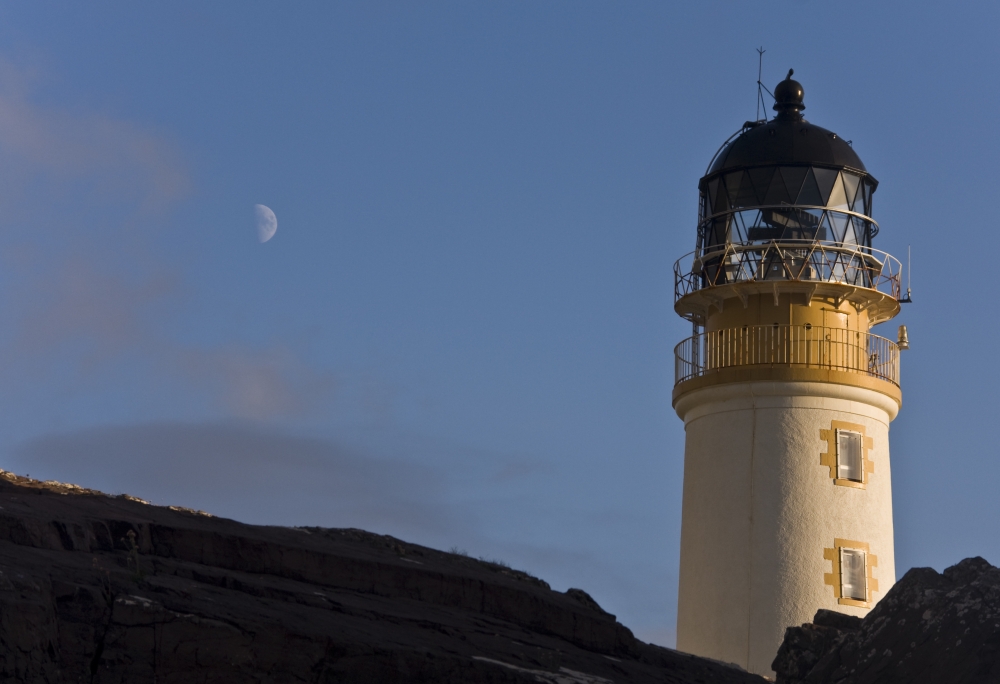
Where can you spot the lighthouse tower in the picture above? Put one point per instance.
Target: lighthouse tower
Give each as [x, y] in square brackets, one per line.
[785, 393]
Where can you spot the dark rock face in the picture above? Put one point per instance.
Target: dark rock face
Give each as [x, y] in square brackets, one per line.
[929, 628]
[106, 590]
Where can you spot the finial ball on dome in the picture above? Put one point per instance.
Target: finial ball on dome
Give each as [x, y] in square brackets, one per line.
[788, 95]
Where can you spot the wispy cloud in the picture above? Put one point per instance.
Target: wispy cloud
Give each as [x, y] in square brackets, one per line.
[97, 308]
[259, 384]
[83, 287]
[253, 474]
[95, 316]
[112, 154]
[267, 475]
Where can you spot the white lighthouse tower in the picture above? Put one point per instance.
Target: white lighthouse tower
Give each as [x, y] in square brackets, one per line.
[785, 394]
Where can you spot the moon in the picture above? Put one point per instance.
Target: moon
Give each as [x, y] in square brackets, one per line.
[267, 222]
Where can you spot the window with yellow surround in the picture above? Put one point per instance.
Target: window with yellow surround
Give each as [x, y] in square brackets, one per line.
[851, 576]
[849, 461]
[848, 454]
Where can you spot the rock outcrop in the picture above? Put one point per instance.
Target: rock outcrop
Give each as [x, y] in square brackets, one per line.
[105, 590]
[929, 628]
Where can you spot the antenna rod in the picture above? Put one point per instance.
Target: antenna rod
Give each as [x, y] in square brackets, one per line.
[907, 299]
[760, 95]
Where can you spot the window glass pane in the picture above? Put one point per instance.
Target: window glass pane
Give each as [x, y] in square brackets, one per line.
[762, 229]
[851, 183]
[738, 231]
[825, 231]
[721, 202]
[776, 192]
[720, 231]
[760, 178]
[860, 230]
[746, 197]
[825, 180]
[849, 455]
[810, 224]
[838, 200]
[839, 222]
[788, 224]
[733, 187]
[809, 194]
[866, 187]
[713, 188]
[750, 218]
[852, 574]
[793, 175]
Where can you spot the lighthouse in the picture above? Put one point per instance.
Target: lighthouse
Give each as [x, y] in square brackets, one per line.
[785, 392]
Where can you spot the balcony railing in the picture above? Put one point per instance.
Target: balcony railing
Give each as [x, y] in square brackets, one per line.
[787, 345]
[799, 260]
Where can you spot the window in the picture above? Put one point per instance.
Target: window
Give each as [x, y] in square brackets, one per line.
[852, 578]
[849, 461]
[848, 453]
[852, 574]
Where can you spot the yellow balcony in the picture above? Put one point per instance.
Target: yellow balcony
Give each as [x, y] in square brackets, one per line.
[778, 346]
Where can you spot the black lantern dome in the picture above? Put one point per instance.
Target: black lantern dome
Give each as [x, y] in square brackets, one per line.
[786, 179]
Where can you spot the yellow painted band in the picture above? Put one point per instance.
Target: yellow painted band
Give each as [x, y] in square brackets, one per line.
[784, 373]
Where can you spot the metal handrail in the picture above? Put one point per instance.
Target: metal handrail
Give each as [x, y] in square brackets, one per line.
[709, 218]
[811, 346]
[799, 260]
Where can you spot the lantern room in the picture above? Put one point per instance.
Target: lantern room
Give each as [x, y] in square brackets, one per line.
[786, 201]
[786, 179]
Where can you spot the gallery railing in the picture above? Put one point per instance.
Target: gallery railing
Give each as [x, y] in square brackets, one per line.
[787, 345]
[800, 260]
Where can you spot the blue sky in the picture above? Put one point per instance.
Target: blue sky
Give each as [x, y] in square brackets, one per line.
[462, 332]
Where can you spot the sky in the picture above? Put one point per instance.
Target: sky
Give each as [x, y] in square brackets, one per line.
[462, 332]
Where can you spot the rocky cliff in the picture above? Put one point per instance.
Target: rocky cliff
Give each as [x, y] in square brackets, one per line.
[930, 628]
[104, 590]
